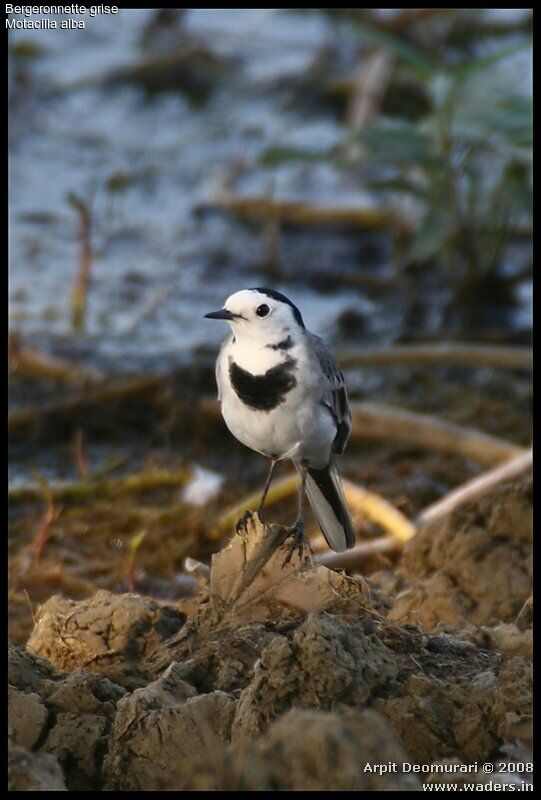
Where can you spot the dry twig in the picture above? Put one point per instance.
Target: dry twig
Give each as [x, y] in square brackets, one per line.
[472, 490]
[294, 212]
[34, 363]
[355, 558]
[50, 516]
[370, 84]
[360, 500]
[460, 355]
[80, 288]
[85, 490]
[76, 410]
[383, 423]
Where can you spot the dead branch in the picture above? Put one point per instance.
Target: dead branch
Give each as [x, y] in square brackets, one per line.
[370, 85]
[79, 456]
[357, 557]
[49, 518]
[471, 490]
[292, 212]
[33, 363]
[461, 355]
[384, 423]
[80, 288]
[375, 422]
[85, 490]
[379, 511]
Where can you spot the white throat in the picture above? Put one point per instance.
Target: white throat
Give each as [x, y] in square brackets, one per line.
[257, 357]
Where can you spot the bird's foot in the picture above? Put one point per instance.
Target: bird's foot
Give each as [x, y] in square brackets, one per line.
[243, 521]
[297, 541]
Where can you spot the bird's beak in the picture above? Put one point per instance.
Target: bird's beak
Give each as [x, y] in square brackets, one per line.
[223, 313]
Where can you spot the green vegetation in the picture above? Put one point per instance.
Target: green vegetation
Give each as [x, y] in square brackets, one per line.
[456, 171]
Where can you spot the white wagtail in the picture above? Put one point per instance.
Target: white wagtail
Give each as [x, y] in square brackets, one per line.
[283, 395]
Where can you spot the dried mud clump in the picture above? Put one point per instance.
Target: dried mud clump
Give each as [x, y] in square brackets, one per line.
[33, 772]
[27, 717]
[474, 566]
[160, 729]
[326, 661]
[507, 638]
[223, 659]
[464, 717]
[65, 716]
[108, 633]
[284, 678]
[309, 750]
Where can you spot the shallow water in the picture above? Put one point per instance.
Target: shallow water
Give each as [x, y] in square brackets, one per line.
[148, 165]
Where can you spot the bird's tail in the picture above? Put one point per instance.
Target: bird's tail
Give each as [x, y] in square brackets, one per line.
[326, 496]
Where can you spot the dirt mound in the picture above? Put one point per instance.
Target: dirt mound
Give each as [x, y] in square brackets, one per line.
[68, 716]
[33, 772]
[285, 678]
[160, 729]
[324, 662]
[107, 632]
[474, 566]
[309, 750]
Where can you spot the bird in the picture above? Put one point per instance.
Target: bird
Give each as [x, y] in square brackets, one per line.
[283, 395]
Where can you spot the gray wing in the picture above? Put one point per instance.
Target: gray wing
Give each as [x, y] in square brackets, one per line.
[335, 396]
[219, 363]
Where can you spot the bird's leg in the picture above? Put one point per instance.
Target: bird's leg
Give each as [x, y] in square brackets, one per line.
[244, 519]
[266, 490]
[297, 531]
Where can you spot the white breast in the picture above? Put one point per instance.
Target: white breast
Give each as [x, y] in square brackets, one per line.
[300, 427]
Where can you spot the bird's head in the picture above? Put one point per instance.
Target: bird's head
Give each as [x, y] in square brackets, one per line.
[261, 314]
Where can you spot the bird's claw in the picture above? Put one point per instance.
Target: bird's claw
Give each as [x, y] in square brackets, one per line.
[297, 542]
[243, 521]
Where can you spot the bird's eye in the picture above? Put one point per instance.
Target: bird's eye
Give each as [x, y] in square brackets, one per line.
[263, 310]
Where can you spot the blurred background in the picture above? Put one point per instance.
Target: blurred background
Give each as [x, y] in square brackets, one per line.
[372, 164]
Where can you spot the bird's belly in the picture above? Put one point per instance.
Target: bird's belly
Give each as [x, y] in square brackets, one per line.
[291, 430]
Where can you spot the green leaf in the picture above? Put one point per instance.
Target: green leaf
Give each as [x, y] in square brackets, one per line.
[411, 54]
[398, 185]
[136, 541]
[274, 156]
[432, 236]
[516, 185]
[508, 119]
[398, 143]
[469, 68]
[514, 118]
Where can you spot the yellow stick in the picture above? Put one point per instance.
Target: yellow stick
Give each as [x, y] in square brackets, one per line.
[360, 500]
